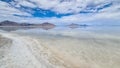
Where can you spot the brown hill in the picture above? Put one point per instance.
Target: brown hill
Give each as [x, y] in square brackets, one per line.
[9, 23]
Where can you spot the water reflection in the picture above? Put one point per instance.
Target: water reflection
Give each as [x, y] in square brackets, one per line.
[47, 27]
[9, 29]
[15, 28]
[25, 28]
[96, 29]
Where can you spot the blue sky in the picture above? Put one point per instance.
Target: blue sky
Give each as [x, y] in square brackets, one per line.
[60, 11]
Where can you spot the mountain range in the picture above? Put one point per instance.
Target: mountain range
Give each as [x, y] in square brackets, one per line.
[11, 23]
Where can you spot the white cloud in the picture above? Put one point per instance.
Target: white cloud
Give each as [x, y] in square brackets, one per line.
[5, 9]
[26, 3]
[69, 6]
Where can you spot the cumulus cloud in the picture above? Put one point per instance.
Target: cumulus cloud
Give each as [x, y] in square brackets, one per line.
[79, 10]
[72, 6]
[26, 3]
[6, 10]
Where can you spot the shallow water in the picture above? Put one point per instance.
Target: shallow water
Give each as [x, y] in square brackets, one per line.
[87, 47]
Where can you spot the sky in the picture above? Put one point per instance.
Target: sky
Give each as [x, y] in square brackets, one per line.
[61, 11]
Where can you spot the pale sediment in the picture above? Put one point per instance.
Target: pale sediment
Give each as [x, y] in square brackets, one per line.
[5, 44]
[26, 52]
[4, 41]
[30, 52]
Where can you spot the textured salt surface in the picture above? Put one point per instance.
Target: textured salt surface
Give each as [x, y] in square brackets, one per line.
[26, 52]
[95, 51]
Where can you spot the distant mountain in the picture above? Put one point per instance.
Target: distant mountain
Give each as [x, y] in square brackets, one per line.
[84, 25]
[11, 23]
[26, 24]
[8, 25]
[73, 25]
[47, 25]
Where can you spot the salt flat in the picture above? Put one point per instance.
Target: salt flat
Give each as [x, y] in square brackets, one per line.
[26, 52]
[88, 50]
